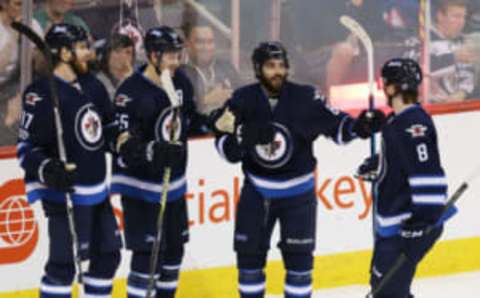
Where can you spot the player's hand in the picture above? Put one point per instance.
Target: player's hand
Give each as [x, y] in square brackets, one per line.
[368, 170]
[256, 133]
[222, 121]
[368, 123]
[417, 238]
[57, 175]
[133, 151]
[165, 154]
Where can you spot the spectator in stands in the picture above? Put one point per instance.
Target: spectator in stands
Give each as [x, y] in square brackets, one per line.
[213, 78]
[452, 70]
[59, 11]
[346, 53]
[10, 10]
[116, 62]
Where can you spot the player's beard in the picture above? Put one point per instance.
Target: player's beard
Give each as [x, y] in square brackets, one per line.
[275, 84]
[80, 68]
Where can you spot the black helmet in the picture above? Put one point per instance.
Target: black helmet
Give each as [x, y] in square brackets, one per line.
[64, 35]
[265, 51]
[162, 39]
[402, 72]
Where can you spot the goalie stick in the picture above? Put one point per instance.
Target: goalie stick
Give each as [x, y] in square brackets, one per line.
[45, 50]
[403, 258]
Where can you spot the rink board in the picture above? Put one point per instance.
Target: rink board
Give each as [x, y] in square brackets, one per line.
[344, 223]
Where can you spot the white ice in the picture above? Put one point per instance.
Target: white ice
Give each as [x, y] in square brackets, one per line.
[465, 285]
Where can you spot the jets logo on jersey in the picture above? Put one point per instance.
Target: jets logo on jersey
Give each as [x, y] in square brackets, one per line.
[121, 100]
[165, 123]
[32, 99]
[88, 128]
[417, 130]
[278, 152]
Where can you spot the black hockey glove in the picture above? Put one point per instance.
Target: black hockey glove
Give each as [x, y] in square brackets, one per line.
[57, 175]
[163, 154]
[256, 133]
[133, 152]
[368, 170]
[368, 122]
[416, 241]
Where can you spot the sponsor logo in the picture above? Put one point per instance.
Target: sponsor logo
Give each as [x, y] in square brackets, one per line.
[18, 226]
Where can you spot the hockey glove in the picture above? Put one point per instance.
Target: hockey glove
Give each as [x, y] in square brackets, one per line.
[368, 122]
[57, 175]
[368, 170]
[133, 152]
[162, 154]
[256, 133]
[416, 241]
[221, 121]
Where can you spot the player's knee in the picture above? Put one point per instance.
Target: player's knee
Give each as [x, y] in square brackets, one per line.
[251, 261]
[105, 265]
[298, 261]
[60, 273]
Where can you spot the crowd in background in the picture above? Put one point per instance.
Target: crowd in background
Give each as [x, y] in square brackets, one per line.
[328, 58]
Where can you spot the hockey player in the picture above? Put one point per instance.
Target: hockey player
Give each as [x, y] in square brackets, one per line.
[86, 117]
[276, 123]
[144, 110]
[411, 187]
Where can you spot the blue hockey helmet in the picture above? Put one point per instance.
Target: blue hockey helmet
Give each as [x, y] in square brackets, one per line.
[404, 73]
[266, 51]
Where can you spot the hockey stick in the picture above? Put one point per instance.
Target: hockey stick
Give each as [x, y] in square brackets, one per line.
[400, 261]
[44, 48]
[169, 88]
[359, 32]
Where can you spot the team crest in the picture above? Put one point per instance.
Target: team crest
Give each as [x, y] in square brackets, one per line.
[165, 124]
[417, 130]
[88, 128]
[32, 99]
[278, 152]
[121, 100]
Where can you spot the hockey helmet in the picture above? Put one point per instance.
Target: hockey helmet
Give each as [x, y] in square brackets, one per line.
[64, 35]
[162, 39]
[265, 51]
[405, 73]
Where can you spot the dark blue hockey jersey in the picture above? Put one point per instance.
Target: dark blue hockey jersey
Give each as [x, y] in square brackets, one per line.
[143, 108]
[412, 184]
[285, 167]
[85, 110]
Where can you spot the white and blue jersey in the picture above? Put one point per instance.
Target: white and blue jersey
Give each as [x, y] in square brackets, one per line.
[144, 109]
[284, 168]
[87, 119]
[412, 184]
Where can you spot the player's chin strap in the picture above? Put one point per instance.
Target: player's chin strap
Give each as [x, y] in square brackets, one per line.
[400, 261]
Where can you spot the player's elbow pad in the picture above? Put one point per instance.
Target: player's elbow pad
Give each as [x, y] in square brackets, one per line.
[229, 148]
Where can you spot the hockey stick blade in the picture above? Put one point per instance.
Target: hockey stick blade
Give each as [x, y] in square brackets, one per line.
[403, 258]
